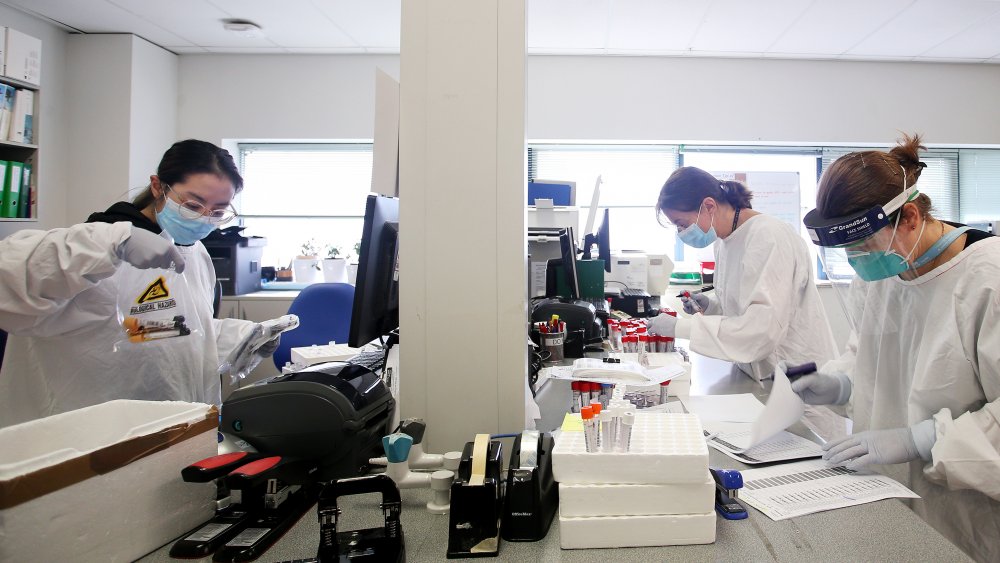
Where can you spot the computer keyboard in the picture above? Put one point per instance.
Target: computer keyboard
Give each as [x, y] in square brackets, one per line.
[371, 359]
[632, 292]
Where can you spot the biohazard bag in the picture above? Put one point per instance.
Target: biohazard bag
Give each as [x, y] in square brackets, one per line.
[155, 305]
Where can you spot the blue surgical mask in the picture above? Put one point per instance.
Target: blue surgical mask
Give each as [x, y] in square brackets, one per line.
[184, 231]
[694, 236]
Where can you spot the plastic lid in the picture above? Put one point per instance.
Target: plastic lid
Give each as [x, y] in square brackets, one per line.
[596, 407]
[629, 418]
[644, 338]
[586, 413]
[665, 383]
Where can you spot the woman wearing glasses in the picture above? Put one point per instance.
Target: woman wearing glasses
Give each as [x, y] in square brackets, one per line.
[59, 291]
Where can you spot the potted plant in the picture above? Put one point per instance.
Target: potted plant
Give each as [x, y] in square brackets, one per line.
[306, 265]
[334, 267]
[352, 266]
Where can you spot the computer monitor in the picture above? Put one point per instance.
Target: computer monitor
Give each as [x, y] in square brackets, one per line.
[376, 293]
[562, 193]
[567, 244]
[602, 238]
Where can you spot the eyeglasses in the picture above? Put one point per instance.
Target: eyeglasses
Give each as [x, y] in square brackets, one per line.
[192, 209]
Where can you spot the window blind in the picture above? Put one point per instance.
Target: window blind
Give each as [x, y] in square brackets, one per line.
[305, 180]
[939, 180]
[979, 184]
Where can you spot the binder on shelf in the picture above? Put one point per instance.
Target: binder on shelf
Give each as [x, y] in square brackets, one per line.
[3, 182]
[7, 94]
[20, 125]
[22, 56]
[11, 190]
[24, 203]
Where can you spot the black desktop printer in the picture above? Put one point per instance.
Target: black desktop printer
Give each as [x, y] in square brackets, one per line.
[236, 259]
[336, 413]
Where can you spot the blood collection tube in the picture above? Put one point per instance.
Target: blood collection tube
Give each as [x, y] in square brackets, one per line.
[625, 435]
[664, 392]
[575, 386]
[589, 429]
[607, 437]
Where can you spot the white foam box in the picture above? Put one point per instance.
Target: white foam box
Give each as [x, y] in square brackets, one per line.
[588, 532]
[103, 483]
[665, 448]
[606, 499]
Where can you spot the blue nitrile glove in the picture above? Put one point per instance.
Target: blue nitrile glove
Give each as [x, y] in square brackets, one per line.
[662, 324]
[882, 447]
[145, 250]
[823, 388]
[697, 303]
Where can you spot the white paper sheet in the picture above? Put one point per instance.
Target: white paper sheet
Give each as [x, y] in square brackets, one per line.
[742, 407]
[806, 487]
[783, 409]
[593, 369]
[732, 439]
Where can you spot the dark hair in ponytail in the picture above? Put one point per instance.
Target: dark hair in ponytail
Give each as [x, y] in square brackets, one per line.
[192, 156]
[688, 186]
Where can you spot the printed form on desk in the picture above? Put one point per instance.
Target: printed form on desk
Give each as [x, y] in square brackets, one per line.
[805, 487]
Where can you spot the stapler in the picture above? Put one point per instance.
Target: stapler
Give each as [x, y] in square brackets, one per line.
[477, 501]
[268, 504]
[727, 485]
[532, 496]
[373, 544]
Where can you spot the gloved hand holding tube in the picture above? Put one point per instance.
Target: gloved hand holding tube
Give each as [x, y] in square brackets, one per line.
[260, 344]
[818, 388]
[697, 301]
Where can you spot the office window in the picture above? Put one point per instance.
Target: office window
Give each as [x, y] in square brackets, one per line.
[632, 176]
[296, 192]
[979, 184]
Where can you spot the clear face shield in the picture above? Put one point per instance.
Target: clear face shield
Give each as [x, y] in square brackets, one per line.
[859, 247]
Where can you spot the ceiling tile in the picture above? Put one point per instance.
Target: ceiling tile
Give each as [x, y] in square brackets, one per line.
[289, 23]
[980, 41]
[925, 24]
[567, 24]
[834, 26]
[374, 24]
[197, 21]
[653, 25]
[742, 26]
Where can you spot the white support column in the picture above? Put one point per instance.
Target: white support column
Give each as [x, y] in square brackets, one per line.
[462, 182]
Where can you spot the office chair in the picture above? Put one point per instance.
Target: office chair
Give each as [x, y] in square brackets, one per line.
[324, 311]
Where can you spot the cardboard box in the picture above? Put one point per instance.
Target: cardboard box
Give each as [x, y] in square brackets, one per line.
[103, 483]
[22, 57]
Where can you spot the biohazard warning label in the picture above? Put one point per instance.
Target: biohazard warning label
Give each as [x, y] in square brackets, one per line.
[156, 290]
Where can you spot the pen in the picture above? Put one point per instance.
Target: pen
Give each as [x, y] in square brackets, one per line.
[795, 372]
[688, 294]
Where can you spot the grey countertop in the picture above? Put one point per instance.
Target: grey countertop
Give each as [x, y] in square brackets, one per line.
[881, 531]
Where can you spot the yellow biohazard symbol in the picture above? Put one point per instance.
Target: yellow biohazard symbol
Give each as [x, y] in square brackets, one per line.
[156, 290]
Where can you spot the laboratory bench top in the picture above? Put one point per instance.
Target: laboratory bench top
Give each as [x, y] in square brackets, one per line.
[885, 530]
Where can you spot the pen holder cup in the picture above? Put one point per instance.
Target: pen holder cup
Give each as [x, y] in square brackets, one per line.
[554, 343]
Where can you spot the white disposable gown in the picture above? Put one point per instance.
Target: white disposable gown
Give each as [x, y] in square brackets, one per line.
[58, 296]
[930, 348]
[766, 307]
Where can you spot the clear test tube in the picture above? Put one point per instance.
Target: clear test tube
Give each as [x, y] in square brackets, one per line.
[590, 438]
[607, 434]
[664, 392]
[625, 435]
[644, 342]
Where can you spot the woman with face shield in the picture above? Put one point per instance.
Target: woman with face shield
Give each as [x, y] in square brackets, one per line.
[766, 307]
[59, 292]
[922, 369]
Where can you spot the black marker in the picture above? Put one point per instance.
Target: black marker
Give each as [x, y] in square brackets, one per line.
[795, 372]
